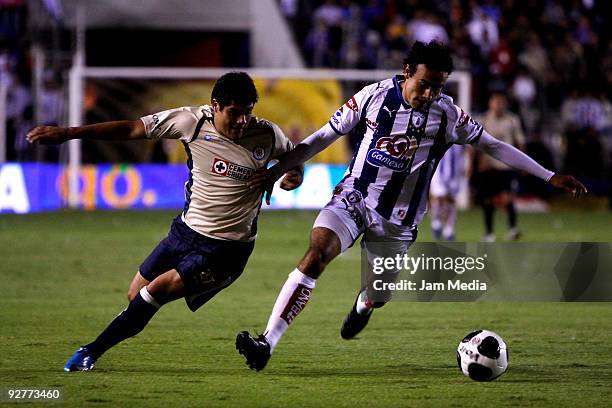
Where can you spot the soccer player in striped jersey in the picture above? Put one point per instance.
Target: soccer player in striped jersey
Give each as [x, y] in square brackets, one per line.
[406, 125]
[210, 242]
[443, 192]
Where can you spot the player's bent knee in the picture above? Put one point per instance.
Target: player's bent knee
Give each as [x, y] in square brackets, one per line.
[138, 282]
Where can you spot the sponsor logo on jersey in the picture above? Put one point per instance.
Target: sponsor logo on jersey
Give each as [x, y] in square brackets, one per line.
[155, 119]
[371, 124]
[352, 104]
[259, 153]
[231, 170]
[464, 119]
[335, 117]
[392, 152]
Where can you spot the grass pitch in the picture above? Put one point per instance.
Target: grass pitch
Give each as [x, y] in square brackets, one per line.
[65, 275]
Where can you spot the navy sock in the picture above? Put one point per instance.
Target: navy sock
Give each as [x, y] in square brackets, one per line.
[489, 209]
[128, 323]
[511, 215]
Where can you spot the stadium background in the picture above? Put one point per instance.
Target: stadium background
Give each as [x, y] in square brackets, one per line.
[64, 272]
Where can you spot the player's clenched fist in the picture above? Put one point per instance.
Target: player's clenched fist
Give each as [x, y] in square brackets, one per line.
[292, 180]
[47, 135]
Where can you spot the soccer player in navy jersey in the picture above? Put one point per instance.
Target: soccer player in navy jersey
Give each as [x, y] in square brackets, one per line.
[210, 242]
[406, 125]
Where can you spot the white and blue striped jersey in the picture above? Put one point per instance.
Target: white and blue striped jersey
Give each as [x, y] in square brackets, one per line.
[447, 177]
[399, 147]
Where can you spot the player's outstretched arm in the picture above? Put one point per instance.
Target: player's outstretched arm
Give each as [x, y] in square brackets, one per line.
[518, 160]
[292, 161]
[307, 149]
[118, 130]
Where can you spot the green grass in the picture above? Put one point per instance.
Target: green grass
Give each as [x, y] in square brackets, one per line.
[64, 277]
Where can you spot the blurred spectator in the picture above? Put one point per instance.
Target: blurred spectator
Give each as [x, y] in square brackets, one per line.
[52, 105]
[427, 26]
[19, 103]
[483, 31]
[317, 44]
[397, 38]
[502, 61]
[491, 9]
[586, 116]
[524, 91]
[297, 13]
[51, 100]
[329, 18]
[13, 17]
[373, 16]
[535, 58]
[466, 55]
[585, 109]
[330, 13]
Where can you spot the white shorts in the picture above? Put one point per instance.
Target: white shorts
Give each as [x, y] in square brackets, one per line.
[443, 186]
[348, 216]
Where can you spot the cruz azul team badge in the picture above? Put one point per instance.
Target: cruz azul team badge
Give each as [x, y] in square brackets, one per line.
[231, 170]
[259, 153]
[392, 152]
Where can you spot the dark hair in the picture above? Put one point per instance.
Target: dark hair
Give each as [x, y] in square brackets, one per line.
[435, 55]
[234, 87]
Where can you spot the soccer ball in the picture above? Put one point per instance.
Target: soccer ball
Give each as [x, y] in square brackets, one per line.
[482, 355]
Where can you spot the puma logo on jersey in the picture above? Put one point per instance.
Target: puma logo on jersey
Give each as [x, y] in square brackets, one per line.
[389, 111]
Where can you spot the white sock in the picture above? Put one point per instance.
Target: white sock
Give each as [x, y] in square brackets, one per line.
[147, 297]
[290, 302]
[451, 218]
[363, 304]
[436, 221]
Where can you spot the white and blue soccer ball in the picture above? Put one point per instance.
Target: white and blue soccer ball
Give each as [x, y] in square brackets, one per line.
[482, 355]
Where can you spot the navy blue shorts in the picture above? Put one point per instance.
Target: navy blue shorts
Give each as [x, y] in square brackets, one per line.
[492, 182]
[205, 264]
